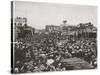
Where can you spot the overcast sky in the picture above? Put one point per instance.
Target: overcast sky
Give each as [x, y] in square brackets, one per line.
[41, 14]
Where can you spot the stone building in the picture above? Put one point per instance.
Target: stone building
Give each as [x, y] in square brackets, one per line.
[22, 30]
[52, 28]
[20, 21]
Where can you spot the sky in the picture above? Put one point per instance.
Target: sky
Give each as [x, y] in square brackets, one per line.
[40, 14]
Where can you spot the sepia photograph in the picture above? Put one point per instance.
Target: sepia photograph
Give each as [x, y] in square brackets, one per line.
[48, 37]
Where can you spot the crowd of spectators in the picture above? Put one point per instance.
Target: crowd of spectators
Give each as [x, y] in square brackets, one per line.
[46, 52]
